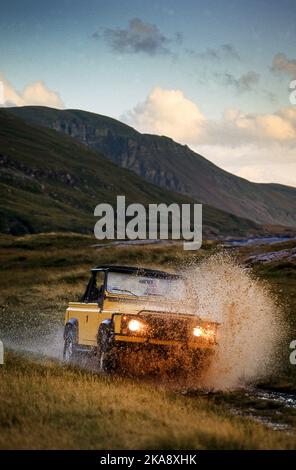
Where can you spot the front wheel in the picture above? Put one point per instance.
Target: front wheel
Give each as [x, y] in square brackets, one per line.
[69, 352]
[106, 352]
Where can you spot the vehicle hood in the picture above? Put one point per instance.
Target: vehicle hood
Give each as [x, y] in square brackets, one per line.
[134, 306]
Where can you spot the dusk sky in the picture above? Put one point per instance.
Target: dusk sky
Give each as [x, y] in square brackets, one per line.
[212, 74]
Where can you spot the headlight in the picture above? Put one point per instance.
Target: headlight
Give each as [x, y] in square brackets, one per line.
[131, 325]
[207, 332]
[134, 325]
[197, 331]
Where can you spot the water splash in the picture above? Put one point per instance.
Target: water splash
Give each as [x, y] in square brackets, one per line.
[250, 323]
[49, 344]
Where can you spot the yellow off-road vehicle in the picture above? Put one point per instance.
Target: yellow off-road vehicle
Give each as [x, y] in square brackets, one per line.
[127, 307]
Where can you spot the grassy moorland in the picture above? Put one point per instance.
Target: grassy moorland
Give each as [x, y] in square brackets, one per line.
[47, 405]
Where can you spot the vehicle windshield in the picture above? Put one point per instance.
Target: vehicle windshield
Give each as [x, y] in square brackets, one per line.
[138, 286]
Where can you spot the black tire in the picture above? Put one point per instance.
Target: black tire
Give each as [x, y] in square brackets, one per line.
[70, 348]
[106, 351]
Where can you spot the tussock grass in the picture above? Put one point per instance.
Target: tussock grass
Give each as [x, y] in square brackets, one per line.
[48, 406]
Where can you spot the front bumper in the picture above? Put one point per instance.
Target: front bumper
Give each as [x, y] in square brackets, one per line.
[162, 329]
[198, 343]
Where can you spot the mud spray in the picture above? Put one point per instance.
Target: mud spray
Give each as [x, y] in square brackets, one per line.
[250, 328]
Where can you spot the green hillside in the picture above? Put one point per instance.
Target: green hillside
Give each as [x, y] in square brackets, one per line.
[51, 182]
[176, 167]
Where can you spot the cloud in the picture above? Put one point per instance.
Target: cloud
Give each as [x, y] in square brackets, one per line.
[35, 93]
[260, 146]
[167, 112]
[241, 128]
[270, 163]
[222, 52]
[229, 51]
[281, 64]
[246, 82]
[138, 37]
[268, 172]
